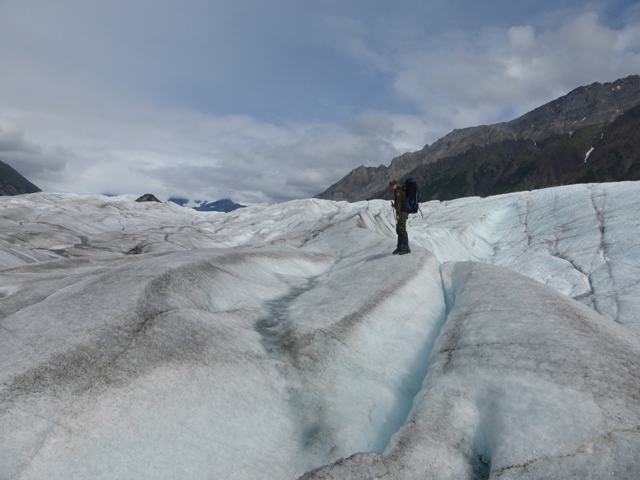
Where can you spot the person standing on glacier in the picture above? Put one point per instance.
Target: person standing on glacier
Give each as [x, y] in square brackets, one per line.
[402, 215]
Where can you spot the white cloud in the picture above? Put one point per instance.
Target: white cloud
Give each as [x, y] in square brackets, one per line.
[628, 41]
[12, 139]
[521, 38]
[183, 153]
[482, 79]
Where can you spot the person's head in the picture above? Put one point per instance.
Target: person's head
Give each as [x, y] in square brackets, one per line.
[393, 184]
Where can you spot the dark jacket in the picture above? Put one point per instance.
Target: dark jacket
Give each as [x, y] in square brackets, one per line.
[400, 198]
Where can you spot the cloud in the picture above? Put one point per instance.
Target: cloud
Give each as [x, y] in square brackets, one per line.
[195, 155]
[501, 73]
[27, 157]
[12, 140]
[522, 38]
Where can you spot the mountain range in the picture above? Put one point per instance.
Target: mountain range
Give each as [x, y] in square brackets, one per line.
[225, 205]
[589, 135]
[13, 183]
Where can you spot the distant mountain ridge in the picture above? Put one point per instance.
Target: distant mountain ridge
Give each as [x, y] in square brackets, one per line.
[545, 147]
[12, 183]
[225, 205]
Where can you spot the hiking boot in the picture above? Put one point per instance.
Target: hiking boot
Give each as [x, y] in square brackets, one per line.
[403, 245]
[396, 251]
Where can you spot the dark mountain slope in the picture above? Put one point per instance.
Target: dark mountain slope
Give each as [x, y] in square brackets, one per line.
[498, 158]
[616, 155]
[592, 154]
[12, 183]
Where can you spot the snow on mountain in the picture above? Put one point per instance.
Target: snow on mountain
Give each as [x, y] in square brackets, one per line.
[224, 205]
[146, 340]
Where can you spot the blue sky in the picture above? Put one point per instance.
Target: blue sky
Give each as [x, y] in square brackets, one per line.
[271, 101]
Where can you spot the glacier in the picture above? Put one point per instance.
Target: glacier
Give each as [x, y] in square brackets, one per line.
[284, 341]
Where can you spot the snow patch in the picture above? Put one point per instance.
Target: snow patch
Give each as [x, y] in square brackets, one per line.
[587, 154]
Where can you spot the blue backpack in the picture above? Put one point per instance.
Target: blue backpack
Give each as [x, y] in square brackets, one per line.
[414, 197]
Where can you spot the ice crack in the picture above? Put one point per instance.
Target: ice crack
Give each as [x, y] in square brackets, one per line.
[585, 449]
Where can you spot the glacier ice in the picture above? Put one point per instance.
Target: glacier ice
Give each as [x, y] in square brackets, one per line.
[153, 341]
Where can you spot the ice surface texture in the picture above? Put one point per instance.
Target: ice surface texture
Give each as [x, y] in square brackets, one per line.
[538, 387]
[153, 341]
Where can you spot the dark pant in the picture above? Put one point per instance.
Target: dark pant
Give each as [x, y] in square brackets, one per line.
[401, 230]
[401, 226]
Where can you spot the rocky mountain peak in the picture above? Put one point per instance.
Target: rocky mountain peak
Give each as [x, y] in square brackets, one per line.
[593, 105]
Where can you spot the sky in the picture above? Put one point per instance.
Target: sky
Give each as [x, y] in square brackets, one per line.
[273, 101]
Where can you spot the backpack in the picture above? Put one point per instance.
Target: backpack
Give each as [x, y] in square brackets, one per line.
[414, 197]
